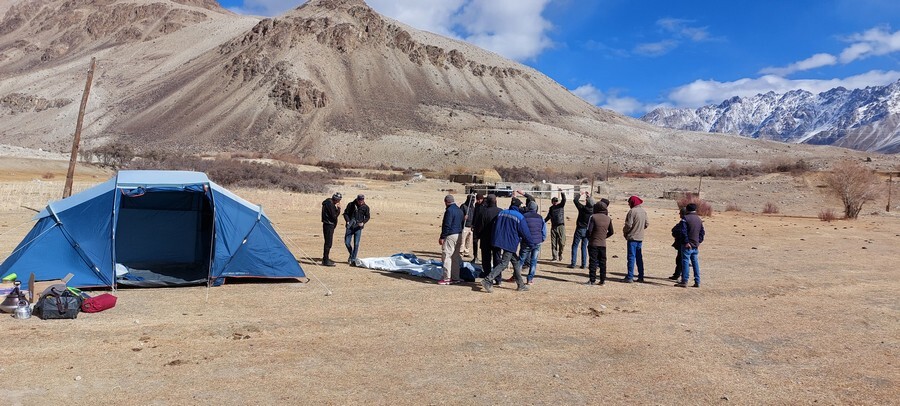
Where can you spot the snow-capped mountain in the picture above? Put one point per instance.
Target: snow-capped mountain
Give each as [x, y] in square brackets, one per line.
[863, 119]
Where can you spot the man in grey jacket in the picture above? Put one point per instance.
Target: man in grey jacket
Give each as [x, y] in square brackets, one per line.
[557, 218]
[635, 224]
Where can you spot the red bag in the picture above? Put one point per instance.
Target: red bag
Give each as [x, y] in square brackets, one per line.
[98, 303]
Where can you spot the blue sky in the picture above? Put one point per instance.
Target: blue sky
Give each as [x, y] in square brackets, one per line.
[633, 55]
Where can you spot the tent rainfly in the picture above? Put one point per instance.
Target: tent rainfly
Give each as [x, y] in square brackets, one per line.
[152, 228]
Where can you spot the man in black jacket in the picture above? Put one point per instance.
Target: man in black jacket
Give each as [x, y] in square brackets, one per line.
[557, 218]
[580, 238]
[331, 208]
[356, 216]
[484, 227]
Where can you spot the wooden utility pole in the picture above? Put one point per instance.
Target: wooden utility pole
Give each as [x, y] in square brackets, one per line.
[67, 191]
[700, 186]
[607, 169]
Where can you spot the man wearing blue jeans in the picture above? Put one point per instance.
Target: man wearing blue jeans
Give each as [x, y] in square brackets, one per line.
[635, 224]
[356, 216]
[580, 238]
[529, 253]
[692, 233]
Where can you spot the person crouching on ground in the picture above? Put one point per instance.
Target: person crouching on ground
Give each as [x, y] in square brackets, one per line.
[331, 209]
[635, 224]
[509, 230]
[356, 216]
[450, 241]
[599, 229]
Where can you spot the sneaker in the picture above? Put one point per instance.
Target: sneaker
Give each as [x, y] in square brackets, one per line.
[523, 288]
[675, 277]
[602, 283]
[328, 262]
[456, 281]
[640, 280]
[681, 285]
[583, 267]
[627, 280]
[554, 258]
[487, 285]
[444, 282]
[695, 285]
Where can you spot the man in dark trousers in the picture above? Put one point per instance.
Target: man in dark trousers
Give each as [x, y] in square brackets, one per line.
[356, 216]
[557, 218]
[580, 238]
[484, 227]
[468, 210]
[510, 229]
[476, 211]
[692, 234]
[451, 241]
[599, 229]
[635, 224]
[331, 208]
[678, 243]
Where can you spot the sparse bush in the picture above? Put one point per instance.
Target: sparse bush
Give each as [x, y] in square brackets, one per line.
[230, 172]
[525, 174]
[48, 175]
[114, 154]
[389, 177]
[827, 215]
[854, 184]
[785, 165]
[703, 208]
[770, 208]
[732, 206]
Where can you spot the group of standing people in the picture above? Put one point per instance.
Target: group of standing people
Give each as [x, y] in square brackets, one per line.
[356, 215]
[514, 236]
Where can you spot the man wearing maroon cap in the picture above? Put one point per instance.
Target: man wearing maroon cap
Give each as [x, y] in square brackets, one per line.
[635, 223]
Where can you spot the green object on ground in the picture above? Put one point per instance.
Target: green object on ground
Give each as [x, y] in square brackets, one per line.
[10, 277]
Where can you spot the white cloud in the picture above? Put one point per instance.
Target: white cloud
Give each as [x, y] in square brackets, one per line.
[703, 92]
[515, 29]
[815, 61]
[681, 29]
[611, 101]
[656, 48]
[876, 41]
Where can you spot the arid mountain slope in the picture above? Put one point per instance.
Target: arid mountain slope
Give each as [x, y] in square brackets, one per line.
[330, 80]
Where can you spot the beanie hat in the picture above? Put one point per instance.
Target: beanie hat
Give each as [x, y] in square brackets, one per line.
[554, 200]
[634, 201]
[516, 202]
[337, 196]
[691, 207]
[532, 206]
[600, 207]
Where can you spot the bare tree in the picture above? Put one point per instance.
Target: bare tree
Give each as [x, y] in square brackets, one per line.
[854, 184]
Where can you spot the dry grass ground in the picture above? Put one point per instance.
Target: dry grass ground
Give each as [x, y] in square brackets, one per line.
[792, 311]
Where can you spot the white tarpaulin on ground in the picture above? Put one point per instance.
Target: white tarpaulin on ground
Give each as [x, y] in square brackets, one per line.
[409, 263]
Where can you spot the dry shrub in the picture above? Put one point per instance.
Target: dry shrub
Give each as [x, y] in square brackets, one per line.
[827, 215]
[526, 174]
[770, 208]
[389, 177]
[233, 173]
[786, 165]
[115, 154]
[48, 175]
[732, 206]
[703, 208]
[854, 184]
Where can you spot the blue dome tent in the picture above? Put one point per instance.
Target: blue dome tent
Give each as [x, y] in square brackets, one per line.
[157, 228]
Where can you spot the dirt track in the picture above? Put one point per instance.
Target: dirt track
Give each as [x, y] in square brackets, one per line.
[792, 310]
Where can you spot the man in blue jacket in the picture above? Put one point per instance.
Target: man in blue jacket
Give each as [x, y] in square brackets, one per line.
[450, 242]
[529, 253]
[510, 229]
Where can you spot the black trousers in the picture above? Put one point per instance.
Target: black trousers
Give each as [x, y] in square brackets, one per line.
[475, 247]
[597, 260]
[328, 233]
[490, 256]
[677, 264]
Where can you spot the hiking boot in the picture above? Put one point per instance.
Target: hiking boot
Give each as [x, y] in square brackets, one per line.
[523, 288]
[444, 282]
[571, 266]
[602, 283]
[680, 285]
[588, 283]
[675, 277]
[627, 280]
[487, 285]
[328, 262]
[695, 285]
[640, 280]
